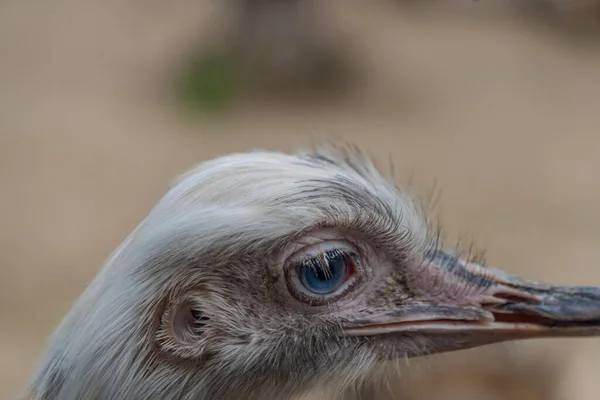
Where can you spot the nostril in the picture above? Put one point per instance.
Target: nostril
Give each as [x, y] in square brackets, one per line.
[514, 298]
[506, 294]
[501, 298]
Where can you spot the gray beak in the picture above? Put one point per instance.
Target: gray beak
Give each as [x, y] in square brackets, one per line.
[475, 305]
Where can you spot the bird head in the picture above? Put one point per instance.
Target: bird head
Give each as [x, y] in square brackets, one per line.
[263, 275]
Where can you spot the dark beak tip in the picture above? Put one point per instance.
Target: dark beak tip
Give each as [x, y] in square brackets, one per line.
[575, 304]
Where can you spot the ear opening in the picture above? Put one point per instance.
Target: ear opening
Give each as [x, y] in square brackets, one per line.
[183, 327]
[189, 320]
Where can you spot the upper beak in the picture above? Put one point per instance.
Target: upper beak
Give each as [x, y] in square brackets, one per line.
[470, 305]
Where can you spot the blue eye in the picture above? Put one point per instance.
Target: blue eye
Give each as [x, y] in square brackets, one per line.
[325, 273]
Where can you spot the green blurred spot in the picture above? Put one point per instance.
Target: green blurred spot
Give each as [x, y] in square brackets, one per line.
[211, 82]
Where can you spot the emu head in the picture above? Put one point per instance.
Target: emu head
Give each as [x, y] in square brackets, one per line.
[264, 275]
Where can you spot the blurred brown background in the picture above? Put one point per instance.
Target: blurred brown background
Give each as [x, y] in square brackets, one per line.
[498, 107]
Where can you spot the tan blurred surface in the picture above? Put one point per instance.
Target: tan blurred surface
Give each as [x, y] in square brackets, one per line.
[504, 118]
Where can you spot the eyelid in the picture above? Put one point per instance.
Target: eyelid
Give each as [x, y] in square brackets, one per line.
[314, 250]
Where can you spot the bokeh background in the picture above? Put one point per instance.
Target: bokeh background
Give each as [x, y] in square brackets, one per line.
[493, 104]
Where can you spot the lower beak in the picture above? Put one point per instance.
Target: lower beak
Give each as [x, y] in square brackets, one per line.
[476, 305]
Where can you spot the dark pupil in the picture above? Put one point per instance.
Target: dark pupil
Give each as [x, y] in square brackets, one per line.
[325, 273]
[321, 273]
